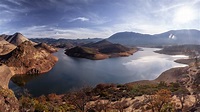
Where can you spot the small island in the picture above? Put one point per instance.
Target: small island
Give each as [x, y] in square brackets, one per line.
[100, 50]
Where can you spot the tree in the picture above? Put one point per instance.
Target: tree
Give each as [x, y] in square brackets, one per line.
[79, 98]
[181, 94]
[160, 101]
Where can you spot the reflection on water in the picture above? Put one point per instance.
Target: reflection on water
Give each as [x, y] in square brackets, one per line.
[21, 80]
[69, 72]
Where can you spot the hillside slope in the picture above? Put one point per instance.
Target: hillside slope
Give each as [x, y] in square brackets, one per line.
[100, 50]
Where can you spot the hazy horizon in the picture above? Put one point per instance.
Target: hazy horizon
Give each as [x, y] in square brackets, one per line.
[72, 19]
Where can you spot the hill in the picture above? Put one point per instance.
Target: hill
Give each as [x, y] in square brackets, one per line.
[64, 43]
[26, 59]
[172, 37]
[15, 39]
[190, 50]
[46, 47]
[100, 50]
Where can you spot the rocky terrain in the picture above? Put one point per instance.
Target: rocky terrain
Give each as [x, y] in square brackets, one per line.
[18, 55]
[46, 47]
[8, 101]
[100, 50]
[23, 56]
[6, 47]
[26, 59]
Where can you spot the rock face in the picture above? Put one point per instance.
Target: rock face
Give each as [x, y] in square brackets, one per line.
[6, 47]
[100, 50]
[8, 101]
[26, 59]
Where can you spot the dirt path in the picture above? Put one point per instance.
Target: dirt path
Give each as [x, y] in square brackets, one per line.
[192, 73]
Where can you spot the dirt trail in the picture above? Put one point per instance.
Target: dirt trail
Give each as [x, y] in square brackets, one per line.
[191, 74]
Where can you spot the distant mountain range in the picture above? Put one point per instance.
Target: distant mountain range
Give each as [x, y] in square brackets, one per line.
[65, 43]
[171, 37]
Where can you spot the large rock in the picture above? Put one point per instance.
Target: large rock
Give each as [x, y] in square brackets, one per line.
[26, 59]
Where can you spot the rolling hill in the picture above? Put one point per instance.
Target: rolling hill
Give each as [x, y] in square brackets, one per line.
[172, 37]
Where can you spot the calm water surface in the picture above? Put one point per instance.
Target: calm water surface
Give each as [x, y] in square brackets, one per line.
[70, 73]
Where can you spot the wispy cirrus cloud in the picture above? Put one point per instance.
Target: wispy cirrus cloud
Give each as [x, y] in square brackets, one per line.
[83, 19]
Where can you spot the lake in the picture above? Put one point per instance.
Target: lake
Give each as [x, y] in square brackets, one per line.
[71, 73]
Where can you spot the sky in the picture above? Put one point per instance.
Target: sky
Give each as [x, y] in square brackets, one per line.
[72, 19]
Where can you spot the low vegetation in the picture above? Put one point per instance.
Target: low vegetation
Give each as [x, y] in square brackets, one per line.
[111, 97]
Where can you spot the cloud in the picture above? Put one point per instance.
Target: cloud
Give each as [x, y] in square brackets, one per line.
[67, 33]
[91, 18]
[79, 19]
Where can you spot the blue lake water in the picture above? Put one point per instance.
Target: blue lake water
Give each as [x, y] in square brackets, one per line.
[71, 73]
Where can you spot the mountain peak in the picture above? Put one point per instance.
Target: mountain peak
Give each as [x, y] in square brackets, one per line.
[17, 33]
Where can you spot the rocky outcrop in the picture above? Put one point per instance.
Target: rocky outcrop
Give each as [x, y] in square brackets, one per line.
[26, 59]
[8, 101]
[6, 47]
